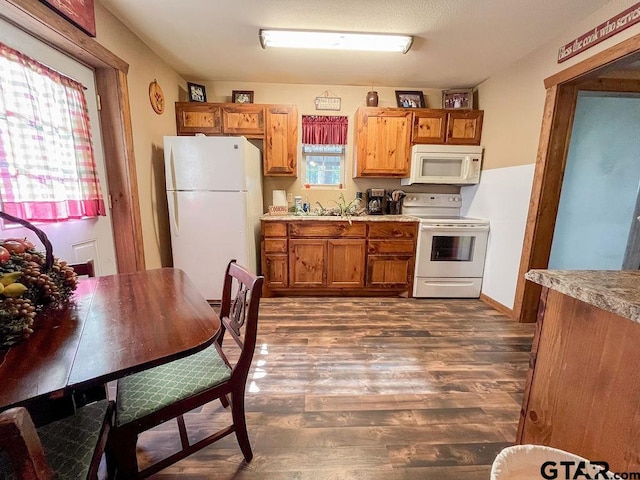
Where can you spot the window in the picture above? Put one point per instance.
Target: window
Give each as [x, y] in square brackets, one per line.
[47, 167]
[323, 164]
[324, 140]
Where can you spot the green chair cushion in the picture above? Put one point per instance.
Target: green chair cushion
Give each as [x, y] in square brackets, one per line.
[146, 392]
[68, 444]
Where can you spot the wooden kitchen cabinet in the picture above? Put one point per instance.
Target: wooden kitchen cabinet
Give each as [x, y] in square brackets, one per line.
[383, 142]
[429, 126]
[384, 136]
[338, 258]
[307, 260]
[452, 127]
[464, 127]
[391, 255]
[281, 140]
[320, 255]
[275, 256]
[345, 263]
[243, 119]
[276, 125]
[195, 117]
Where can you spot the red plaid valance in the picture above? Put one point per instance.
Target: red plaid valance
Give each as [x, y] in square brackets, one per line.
[324, 130]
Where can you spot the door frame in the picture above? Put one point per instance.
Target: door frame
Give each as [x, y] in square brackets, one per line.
[115, 118]
[557, 122]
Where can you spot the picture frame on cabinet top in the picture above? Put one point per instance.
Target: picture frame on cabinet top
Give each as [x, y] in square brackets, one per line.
[197, 93]
[461, 99]
[242, 96]
[410, 99]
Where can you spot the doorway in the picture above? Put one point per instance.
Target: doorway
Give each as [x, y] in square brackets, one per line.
[598, 73]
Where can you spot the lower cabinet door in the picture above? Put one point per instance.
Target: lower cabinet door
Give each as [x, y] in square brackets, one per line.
[307, 263]
[346, 263]
[275, 274]
[389, 270]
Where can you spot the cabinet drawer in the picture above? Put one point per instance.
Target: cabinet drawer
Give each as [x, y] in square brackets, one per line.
[327, 229]
[274, 229]
[275, 245]
[393, 230]
[406, 247]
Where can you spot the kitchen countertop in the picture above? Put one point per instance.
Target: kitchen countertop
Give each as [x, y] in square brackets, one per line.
[616, 291]
[335, 218]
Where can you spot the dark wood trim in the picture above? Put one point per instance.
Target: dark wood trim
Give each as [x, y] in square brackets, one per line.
[115, 117]
[622, 85]
[496, 305]
[557, 122]
[117, 134]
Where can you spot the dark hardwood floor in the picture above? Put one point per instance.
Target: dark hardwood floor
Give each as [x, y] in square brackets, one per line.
[368, 389]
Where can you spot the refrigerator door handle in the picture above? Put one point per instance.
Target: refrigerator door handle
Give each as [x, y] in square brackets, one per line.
[172, 167]
[174, 214]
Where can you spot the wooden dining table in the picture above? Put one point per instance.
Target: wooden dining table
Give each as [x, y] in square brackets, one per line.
[113, 326]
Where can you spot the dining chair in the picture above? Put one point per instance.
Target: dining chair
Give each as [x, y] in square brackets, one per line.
[68, 448]
[168, 391]
[87, 268]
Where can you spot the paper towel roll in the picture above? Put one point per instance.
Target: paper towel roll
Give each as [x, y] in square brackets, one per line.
[280, 198]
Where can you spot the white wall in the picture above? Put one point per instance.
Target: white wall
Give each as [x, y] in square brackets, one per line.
[502, 195]
[513, 102]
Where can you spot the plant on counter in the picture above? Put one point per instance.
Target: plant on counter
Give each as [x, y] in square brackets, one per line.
[30, 282]
[348, 209]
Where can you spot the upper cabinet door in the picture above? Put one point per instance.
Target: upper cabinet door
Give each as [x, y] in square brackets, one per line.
[383, 142]
[243, 119]
[280, 140]
[194, 117]
[464, 127]
[429, 126]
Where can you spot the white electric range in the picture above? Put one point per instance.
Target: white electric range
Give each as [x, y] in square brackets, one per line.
[451, 249]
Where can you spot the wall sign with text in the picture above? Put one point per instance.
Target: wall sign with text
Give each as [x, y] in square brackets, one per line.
[614, 25]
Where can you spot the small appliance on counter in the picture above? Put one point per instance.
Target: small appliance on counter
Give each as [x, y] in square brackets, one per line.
[376, 201]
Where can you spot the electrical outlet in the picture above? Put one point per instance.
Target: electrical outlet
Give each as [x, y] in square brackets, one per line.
[289, 197]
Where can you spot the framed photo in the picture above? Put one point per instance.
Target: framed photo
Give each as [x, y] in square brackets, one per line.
[410, 99]
[197, 93]
[462, 99]
[79, 12]
[242, 96]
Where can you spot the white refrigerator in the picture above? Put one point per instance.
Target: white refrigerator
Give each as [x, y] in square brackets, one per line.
[214, 195]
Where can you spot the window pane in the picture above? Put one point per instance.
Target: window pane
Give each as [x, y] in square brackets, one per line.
[323, 164]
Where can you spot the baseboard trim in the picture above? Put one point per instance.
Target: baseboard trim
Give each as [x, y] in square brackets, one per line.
[497, 305]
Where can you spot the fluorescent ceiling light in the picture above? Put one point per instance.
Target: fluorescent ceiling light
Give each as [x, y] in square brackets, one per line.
[335, 40]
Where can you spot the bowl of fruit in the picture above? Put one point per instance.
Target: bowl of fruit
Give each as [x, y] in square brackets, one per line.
[32, 281]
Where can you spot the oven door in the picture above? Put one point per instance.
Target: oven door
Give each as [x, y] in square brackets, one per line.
[446, 251]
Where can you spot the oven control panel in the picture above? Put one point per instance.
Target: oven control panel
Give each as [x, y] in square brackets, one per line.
[449, 200]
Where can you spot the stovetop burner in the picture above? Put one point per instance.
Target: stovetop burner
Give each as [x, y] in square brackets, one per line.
[435, 208]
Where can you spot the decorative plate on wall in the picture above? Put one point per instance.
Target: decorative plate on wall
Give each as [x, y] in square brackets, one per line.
[156, 97]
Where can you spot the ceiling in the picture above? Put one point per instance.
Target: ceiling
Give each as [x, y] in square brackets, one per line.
[457, 43]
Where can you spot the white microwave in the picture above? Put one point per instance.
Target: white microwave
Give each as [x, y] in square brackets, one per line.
[445, 164]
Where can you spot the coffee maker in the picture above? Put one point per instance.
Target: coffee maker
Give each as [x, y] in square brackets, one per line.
[375, 201]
